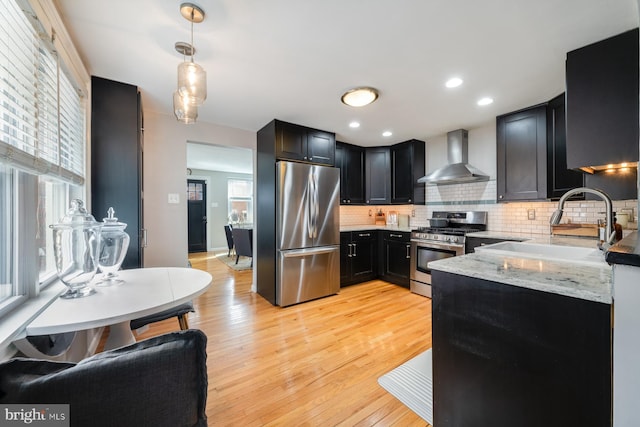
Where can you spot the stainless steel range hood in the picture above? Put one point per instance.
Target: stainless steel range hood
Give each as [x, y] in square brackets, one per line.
[458, 170]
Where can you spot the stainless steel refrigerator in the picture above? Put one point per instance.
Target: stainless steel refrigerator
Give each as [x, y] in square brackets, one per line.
[307, 232]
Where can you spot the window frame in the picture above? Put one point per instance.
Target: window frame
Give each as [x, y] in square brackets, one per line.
[36, 293]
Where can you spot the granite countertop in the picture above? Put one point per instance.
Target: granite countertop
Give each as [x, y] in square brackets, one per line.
[585, 281]
[625, 252]
[363, 227]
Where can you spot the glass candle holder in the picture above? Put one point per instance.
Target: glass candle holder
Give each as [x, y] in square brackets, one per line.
[114, 243]
[76, 239]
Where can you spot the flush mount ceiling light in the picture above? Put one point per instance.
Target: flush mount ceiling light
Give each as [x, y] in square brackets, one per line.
[359, 97]
[192, 78]
[354, 125]
[387, 133]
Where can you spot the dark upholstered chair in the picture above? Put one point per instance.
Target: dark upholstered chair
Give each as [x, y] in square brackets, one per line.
[161, 381]
[180, 312]
[243, 241]
[229, 235]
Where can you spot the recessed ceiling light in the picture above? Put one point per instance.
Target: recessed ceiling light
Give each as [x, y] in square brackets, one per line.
[453, 82]
[359, 97]
[485, 101]
[387, 133]
[354, 125]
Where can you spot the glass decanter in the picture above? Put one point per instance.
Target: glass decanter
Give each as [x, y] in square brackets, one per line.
[114, 243]
[76, 239]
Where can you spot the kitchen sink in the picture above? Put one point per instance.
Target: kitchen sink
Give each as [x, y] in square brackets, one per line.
[548, 252]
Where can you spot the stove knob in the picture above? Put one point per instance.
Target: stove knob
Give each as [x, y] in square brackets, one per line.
[435, 237]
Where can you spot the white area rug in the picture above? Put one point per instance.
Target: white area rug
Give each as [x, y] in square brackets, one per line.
[411, 383]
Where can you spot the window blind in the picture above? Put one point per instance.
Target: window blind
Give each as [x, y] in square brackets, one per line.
[43, 115]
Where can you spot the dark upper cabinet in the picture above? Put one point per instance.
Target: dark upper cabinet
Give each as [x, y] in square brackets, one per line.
[350, 160]
[602, 102]
[522, 155]
[116, 159]
[560, 179]
[303, 144]
[378, 176]
[531, 153]
[407, 165]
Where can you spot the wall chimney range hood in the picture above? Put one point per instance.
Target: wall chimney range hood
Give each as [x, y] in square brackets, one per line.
[458, 170]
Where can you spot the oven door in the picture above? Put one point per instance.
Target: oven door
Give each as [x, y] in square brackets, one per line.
[422, 253]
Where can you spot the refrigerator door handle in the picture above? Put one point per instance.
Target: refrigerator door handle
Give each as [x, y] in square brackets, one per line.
[306, 252]
[314, 200]
[310, 205]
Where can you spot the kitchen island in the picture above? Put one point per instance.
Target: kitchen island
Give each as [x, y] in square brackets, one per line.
[625, 258]
[521, 341]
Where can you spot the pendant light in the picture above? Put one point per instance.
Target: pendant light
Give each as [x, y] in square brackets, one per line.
[183, 110]
[192, 78]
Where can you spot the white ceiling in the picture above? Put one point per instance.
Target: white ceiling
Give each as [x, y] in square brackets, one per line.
[292, 59]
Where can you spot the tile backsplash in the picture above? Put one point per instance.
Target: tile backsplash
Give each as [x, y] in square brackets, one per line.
[481, 196]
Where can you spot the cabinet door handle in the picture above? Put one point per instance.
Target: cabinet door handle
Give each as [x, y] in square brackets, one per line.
[354, 250]
[350, 250]
[144, 238]
[395, 235]
[408, 251]
[364, 235]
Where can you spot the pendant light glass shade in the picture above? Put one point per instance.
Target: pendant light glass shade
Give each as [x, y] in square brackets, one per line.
[184, 111]
[192, 82]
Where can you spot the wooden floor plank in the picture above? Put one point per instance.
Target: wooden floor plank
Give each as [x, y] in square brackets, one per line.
[312, 364]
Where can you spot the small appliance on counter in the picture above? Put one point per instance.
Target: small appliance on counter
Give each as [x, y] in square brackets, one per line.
[380, 218]
[392, 218]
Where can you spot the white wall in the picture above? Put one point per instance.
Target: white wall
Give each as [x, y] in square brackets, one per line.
[482, 150]
[165, 172]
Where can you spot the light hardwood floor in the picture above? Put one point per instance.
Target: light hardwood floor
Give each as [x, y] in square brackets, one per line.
[312, 364]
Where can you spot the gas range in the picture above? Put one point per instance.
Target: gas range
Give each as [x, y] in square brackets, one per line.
[458, 225]
[435, 243]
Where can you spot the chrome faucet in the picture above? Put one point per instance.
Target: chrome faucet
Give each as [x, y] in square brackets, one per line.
[609, 233]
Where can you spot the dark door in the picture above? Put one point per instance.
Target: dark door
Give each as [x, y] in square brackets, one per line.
[197, 215]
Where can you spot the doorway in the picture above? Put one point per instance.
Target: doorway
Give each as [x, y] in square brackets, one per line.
[197, 215]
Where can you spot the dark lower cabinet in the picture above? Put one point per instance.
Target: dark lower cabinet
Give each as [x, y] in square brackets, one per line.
[471, 243]
[506, 356]
[116, 159]
[396, 257]
[358, 256]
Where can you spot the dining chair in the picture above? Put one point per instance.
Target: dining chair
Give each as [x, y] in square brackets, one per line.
[228, 233]
[243, 242]
[180, 312]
